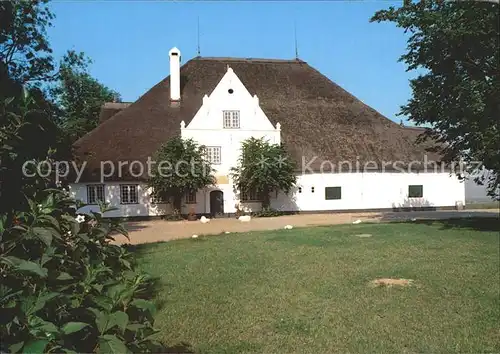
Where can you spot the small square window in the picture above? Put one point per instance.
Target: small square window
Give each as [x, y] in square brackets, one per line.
[129, 194]
[191, 198]
[95, 193]
[213, 154]
[415, 191]
[333, 193]
[231, 119]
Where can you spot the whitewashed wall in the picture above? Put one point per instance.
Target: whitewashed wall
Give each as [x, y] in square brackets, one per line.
[112, 195]
[373, 191]
[477, 193]
[359, 191]
[207, 125]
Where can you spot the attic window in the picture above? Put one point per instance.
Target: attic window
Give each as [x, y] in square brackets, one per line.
[230, 91]
[231, 119]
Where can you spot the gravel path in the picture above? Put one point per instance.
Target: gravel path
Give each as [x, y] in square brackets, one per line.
[160, 230]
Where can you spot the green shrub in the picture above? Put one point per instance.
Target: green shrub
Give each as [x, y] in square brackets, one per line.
[65, 288]
[268, 212]
[174, 216]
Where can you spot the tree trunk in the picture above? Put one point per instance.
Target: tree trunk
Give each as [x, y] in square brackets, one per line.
[177, 203]
[266, 200]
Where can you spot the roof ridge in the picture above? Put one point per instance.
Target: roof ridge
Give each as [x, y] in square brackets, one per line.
[252, 60]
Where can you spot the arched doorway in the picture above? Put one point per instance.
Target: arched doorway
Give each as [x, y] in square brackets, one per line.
[216, 203]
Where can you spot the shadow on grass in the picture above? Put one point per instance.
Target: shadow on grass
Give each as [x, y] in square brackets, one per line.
[131, 226]
[181, 348]
[478, 224]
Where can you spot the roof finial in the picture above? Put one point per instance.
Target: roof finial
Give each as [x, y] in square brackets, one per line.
[295, 35]
[198, 29]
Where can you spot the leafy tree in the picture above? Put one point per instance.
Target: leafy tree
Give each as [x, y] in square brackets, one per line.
[264, 168]
[181, 168]
[25, 52]
[65, 287]
[17, 134]
[79, 96]
[64, 90]
[455, 45]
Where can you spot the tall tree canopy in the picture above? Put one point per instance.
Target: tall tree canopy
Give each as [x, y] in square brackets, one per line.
[79, 96]
[181, 168]
[263, 167]
[64, 90]
[455, 44]
[25, 52]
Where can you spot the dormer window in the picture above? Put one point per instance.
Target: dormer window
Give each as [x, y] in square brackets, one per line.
[231, 119]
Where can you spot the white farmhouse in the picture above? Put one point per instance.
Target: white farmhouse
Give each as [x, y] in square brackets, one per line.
[349, 157]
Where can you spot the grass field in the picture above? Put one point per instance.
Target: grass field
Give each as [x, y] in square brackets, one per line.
[307, 290]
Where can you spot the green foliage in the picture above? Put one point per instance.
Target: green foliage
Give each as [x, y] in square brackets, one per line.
[180, 168]
[267, 213]
[455, 45]
[174, 216]
[79, 96]
[17, 134]
[64, 91]
[65, 287]
[265, 168]
[24, 49]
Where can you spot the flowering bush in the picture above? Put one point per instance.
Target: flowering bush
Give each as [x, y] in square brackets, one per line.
[65, 288]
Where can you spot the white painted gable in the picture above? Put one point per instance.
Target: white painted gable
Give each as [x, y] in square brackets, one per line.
[209, 116]
[207, 126]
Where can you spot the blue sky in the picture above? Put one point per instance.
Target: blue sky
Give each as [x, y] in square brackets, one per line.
[129, 41]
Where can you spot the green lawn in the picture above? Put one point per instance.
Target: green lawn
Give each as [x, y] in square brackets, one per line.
[306, 290]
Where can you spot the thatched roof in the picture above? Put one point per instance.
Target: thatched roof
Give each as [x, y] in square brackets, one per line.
[318, 117]
[109, 109]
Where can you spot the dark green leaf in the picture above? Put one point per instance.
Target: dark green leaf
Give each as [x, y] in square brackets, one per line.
[64, 276]
[14, 348]
[72, 327]
[50, 221]
[144, 305]
[119, 319]
[35, 346]
[44, 234]
[42, 300]
[111, 344]
[23, 265]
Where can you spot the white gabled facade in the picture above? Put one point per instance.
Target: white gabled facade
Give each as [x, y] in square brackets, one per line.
[226, 118]
[231, 115]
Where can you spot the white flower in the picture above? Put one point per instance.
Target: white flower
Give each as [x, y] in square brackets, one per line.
[40, 206]
[80, 218]
[194, 236]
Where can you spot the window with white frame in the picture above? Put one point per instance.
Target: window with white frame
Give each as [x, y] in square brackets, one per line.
[157, 199]
[231, 119]
[191, 198]
[250, 196]
[213, 154]
[129, 194]
[95, 193]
